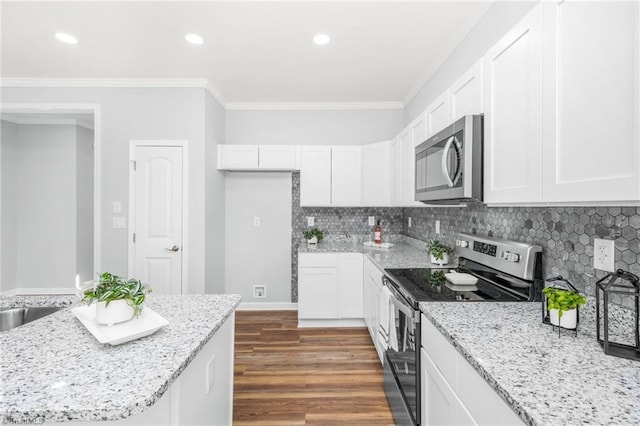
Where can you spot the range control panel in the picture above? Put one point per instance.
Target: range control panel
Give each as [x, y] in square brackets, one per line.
[485, 248]
[512, 257]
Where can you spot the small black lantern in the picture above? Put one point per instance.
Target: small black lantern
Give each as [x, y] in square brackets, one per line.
[613, 283]
[562, 284]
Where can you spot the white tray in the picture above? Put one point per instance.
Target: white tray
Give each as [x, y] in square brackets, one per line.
[381, 245]
[457, 278]
[147, 323]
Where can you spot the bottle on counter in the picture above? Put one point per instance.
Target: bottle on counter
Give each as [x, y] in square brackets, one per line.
[377, 234]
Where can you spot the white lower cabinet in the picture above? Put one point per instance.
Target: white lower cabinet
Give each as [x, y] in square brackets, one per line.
[372, 294]
[330, 289]
[453, 393]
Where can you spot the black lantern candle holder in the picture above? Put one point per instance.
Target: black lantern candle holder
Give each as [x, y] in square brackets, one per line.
[562, 284]
[613, 283]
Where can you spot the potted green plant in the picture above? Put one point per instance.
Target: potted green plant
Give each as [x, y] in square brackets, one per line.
[314, 235]
[563, 306]
[117, 299]
[439, 252]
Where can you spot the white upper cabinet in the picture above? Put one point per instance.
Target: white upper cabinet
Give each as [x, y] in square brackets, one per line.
[315, 176]
[257, 157]
[591, 101]
[465, 95]
[277, 157]
[512, 124]
[376, 174]
[237, 157]
[438, 115]
[346, 176]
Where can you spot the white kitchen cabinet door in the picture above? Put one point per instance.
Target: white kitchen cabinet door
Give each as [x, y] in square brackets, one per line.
[315, 176]
[237, 157]
[350, 285]
[465, 95]
[277, 157]
[512, 121]
[346, 176]
[406, 167]
[396, 174]
[376, 174]
[317, 293]
[372, 293]
[591, 101]
[440, 404]
[438, 115]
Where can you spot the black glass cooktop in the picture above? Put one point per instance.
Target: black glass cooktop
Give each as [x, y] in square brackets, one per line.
[430, 284]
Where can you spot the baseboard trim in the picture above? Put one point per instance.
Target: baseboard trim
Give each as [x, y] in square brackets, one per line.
[268, 306]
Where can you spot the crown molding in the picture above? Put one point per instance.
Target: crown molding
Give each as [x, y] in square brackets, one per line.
[309, 106]
[193, 83]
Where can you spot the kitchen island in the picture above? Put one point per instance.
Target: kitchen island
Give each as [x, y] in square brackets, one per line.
[54, 370]
[545, 379]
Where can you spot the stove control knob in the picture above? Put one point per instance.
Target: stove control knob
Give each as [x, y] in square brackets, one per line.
[511, 257]
[462, 243]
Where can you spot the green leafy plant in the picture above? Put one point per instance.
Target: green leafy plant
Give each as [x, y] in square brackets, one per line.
[437, 278]
[112, 287]
[563, 300]
[438, 249]
[314, 232]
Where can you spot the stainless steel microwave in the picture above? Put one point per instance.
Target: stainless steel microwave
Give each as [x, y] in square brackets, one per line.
[449, 164]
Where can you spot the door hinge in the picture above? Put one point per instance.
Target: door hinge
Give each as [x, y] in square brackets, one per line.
[134, 237]
[134, 165]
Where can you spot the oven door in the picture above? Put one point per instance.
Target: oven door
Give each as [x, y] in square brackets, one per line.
[401, 361]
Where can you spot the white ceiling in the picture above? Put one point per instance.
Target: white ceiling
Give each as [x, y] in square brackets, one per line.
[254, 51]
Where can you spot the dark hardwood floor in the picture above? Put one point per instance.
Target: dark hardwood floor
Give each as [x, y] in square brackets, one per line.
[290, 376]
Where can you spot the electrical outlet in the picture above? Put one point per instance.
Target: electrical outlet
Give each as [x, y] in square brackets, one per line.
[311, 221]
[409, 222]
[372, 220]
[437, 226]
[259, 291]
[604, 254]
[256, 221]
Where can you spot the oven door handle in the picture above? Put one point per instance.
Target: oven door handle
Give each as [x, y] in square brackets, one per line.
[397, 302]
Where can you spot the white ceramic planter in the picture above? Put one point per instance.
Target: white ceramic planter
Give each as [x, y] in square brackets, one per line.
[569, 319]
[312, 240]
[117, 311]
[443, 261]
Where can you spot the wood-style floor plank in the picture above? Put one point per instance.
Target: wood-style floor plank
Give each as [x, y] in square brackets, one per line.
[287, 376]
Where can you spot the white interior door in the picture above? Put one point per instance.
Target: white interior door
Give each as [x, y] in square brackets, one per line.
[157, 207]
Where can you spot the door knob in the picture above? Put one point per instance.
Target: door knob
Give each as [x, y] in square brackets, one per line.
[174, 249]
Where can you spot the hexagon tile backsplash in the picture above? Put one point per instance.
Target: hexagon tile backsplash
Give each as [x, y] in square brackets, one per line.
[565, 234]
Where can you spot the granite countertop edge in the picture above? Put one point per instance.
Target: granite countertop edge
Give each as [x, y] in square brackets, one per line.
[488, 378]
[135, 406]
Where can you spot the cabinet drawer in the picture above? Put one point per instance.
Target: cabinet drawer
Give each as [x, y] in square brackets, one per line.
[443, 354]
[318, 260]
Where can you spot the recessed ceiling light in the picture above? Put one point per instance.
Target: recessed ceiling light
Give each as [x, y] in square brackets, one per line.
[66, 38]
[194, 39]
[321, 39]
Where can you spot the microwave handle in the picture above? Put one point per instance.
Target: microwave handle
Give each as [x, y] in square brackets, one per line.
[445, 165]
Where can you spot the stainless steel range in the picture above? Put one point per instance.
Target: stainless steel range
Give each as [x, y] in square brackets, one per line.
[505, 271]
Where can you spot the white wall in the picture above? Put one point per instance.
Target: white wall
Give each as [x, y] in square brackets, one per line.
[138, 113]
[8, 236]
[319, 127]
[84, 204]
[45, 203]
[214, 125]
[494, 24]
[258, 255]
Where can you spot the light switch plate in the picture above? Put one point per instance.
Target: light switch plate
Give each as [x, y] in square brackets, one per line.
[372, 220]
[256, 221]
[311, 221]
[437, 226]
[117, 207]
[409, 222]
[119, 222]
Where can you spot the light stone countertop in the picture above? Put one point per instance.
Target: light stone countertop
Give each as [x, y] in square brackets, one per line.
[401, 255]
[546, 380]
[54, 370]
